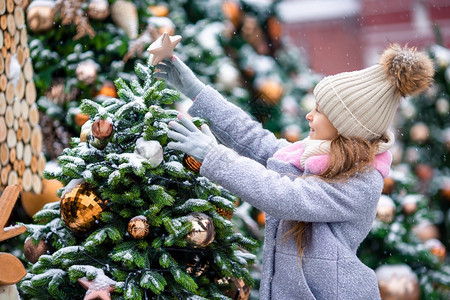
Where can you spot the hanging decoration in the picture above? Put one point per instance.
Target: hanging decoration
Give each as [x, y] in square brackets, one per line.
[86, 131]
[32, 252]
[203, 232]
[81, 208]
[124, 14]
[98, 9]
[385, 209]
[102, 129]
[191, 163]
[72, 12]
[86, 71]
[99, 288]
[236, 288]
[163, 47]
[160, 10]
[389, 185]
[40, 15]
[138, 227]
[397, 282]
[151, 151]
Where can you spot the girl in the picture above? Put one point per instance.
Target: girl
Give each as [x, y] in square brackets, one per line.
[319, 194]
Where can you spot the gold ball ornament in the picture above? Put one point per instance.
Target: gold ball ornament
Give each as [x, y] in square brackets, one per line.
[40, 16]
[81, 208]
[32, 252]
[86, 71]
[98, 9]
[191, 163]
[203, 232]
[385, 209]
[138, 227]
[271, 91]
[397, 282]
[32, 202]
[419, 133]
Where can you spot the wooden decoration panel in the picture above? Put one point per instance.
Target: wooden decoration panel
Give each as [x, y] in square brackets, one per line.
[21, 159]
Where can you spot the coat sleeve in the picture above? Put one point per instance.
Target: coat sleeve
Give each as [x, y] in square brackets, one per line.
[234, 127]
[307, 199]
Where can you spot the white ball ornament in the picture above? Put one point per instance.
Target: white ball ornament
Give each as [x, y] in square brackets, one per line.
[228, 76]
[442, 106]
[149, 150]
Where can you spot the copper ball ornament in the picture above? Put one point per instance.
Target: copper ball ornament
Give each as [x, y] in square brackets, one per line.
[32, 252]
[419, 133]
[203, 232]
[81, 208]
[138, 227]
[191, 163]
[426, 231]
[409, 204]
[437, 248]
[271, 91]
[397, 282]
[385, 209]
[389, 185]
[98, 9]
[102, 129]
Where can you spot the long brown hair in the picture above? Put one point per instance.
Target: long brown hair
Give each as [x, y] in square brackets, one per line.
[348, 156]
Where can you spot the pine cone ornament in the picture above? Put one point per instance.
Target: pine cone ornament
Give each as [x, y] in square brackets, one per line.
[124, 14]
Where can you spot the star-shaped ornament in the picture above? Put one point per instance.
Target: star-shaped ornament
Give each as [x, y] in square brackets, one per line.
[163, 47]
[99, 288]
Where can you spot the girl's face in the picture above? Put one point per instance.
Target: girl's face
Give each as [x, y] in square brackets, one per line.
[321, 127]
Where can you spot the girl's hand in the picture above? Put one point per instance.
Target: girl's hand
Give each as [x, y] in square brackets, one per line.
[190, 139]
[179, 75]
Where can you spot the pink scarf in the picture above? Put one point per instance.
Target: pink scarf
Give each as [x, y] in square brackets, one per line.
[317, 163]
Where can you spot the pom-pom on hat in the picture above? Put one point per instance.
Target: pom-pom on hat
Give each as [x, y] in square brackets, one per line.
[363, 103]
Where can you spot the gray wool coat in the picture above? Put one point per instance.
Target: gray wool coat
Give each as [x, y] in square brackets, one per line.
[340, 215]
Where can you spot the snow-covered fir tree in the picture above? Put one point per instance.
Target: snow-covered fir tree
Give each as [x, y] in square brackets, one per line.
[132, 220]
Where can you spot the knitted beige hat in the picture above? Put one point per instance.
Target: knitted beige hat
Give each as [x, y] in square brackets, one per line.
[363, 103]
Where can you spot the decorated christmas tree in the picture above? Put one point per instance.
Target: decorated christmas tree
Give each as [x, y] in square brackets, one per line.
[408, 242]
[132, 220]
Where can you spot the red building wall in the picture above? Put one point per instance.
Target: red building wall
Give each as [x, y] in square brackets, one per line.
[354, 40]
